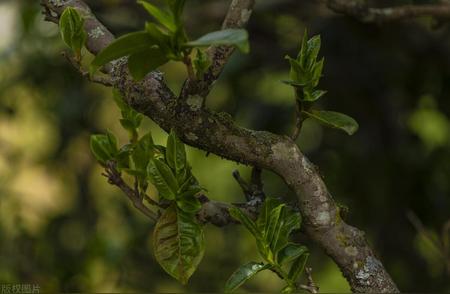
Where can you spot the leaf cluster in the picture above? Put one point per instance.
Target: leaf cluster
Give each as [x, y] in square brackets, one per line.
[305, 73]
[178, 237]
[271, 231]
[165, 39]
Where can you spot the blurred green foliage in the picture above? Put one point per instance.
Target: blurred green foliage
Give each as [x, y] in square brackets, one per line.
[63, 227]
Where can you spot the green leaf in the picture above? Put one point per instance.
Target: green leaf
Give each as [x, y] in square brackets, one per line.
[303, 54]
[313, 48]
[123, 46]
[245, 220]
[298, 267]
[163, 179]
[288, 289]
[317, 72]
[290, 252]
[290, 221]
[176, 6]
[143, 152]
[293, 83]
[335, 120]
[178, 243]
[232, 37]
[243, 274]
[175, 153]
[297, 74]
[118, 99]
[165, 18]
[193, 190]
[264, 215]
[104, 147]
[143, 62]
[71, 26]
[315, 95]
[189, 204]
[272, 231]
[123, 156]
[202, 62]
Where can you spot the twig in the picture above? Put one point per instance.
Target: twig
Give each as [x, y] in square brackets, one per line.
[311, 287]
[364, 13]
[415, 221]
[95, 79]
[257, 178]
[114, 178]
[252, 191]
[48, 15]
[298, 119]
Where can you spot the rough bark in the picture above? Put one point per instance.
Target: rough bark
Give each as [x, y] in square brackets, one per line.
[217, 133]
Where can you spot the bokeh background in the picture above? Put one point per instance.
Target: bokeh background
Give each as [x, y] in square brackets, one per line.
[64, 228]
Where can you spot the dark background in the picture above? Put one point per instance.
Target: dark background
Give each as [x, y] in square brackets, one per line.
[64, 228]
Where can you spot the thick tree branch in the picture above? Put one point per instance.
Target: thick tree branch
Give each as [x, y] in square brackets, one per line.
[361, 11]
[218, 134]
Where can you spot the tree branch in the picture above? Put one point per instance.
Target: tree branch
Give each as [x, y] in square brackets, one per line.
[218, 134]
[237, 16]
[361, 11]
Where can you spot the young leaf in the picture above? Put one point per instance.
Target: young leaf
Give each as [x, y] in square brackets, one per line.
[163, 179]
[334, 120]
[313, 47]
[293, 83]
[177, 6]
[123, 46]
[202, 62]
[244, 273]
[245, 220]
[118, 99]
[143, 62]
[123, 156]
[264, 215]
[178, 243]
[71, 26]
[290, 252]
[290, 221]
[272, 231]
[189, 204]
[143, 152]
[315, 95]
[317, 72]
[165, 18]
[231, 37]
[175, 153]
[189, 193]
[298, 266]
[303, 54]
[103, 147]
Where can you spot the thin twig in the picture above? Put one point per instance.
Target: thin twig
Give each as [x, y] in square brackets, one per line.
[415, 221]
[311, 287]
[298, 119]
[257, 178]
[364, 13]
[95, 79]
[114, 178]
[48, 16]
